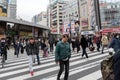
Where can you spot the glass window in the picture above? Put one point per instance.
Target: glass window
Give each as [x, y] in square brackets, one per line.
[109, 12]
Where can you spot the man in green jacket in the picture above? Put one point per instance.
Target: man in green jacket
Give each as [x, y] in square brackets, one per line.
[62, 56]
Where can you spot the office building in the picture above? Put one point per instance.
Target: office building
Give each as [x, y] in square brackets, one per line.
[12, 7]
[40, 19]
[55, 14]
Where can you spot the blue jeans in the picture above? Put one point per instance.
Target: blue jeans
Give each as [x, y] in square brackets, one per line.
[38, 58]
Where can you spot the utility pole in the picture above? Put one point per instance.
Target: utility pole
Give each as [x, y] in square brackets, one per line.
[70, 27]
[97, 12]
[78, 11]
[78, 1]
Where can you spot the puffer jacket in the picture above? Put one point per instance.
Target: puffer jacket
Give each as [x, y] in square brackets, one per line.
[115, 44]
[31, 48]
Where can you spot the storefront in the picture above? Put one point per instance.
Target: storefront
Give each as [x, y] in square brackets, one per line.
[2, 32]
[20, 29]
[110, 30]
[87, 33]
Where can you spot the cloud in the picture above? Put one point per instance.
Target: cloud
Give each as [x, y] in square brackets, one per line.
[26, 9]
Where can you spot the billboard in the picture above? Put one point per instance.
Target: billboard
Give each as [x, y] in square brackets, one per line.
[84, 22]
[3, 7]
[67, 26]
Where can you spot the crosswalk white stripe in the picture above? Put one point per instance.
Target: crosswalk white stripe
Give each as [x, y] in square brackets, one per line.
[25, 58]
[18, 59]
[44, 71]
[26, 62]
[96, 75]
[13, 58]
[77, 69]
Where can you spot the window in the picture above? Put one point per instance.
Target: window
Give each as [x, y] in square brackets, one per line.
[60, 16]
[60, 20]
[61, 23]
[60, 12]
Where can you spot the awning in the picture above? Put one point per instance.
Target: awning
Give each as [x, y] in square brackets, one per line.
[87, 32]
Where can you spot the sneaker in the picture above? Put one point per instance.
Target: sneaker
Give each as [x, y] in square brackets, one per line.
[32, 73]
[39, 63]
[33, 60]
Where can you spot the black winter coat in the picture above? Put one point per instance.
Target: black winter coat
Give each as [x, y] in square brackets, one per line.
[116, 62]
[3, 48]
[84, 43]
[31, 49]
[37, 44]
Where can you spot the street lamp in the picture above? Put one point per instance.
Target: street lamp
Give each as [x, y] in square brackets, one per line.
[70, 29]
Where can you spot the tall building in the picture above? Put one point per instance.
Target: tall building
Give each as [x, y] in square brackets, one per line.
[55, 14]
[40, 19]
[70, 15]
[48, 16]
[84, 15]
[3, 7]
[92, 15]
[107, 13]
[12, 4]
[8, 8]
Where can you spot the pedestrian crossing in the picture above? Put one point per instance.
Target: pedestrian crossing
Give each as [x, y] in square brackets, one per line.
[80, 68]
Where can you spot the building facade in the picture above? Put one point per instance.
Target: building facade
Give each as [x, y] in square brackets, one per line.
[70, 16]
[55, 15]
[92, 14]
[48, 16]
[84, 15]
[12, 6]
[8, 8]
[109, 13]
[3, 8]
[40, 19]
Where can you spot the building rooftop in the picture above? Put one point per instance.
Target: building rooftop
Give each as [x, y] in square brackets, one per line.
[16, 21]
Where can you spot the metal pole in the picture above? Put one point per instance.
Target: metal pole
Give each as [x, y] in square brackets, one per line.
[79, 11]
[33, 32]
[70, 27]
[78, 16]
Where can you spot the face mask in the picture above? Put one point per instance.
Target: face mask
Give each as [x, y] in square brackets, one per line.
[118, 36]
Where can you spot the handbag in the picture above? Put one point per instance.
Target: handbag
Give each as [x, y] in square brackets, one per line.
[92, 48]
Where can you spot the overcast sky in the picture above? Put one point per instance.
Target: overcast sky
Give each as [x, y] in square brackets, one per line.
[26, 9]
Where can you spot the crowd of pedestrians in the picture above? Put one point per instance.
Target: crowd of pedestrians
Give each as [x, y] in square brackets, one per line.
[62, 48]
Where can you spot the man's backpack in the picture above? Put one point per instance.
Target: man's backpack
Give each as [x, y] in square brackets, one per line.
[91, 48]
[3, 48]
[107, 68]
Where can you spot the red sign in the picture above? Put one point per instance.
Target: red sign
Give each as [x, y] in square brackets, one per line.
[112, 30]
[84, 22]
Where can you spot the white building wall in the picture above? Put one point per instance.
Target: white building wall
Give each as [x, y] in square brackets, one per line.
[40, 19]
[11, 12]
[43, 22]
[70, 8]
[70, 15]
